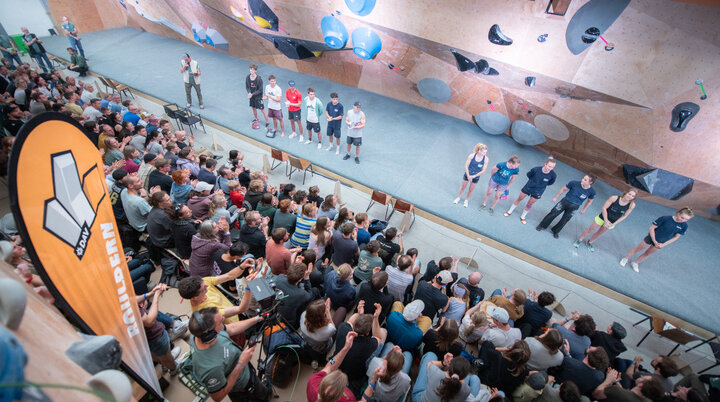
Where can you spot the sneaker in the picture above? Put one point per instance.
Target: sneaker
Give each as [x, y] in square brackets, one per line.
[346, 157]
[301, 139]
[491, 211]
[267, 124]
[576, 244]
[506, 214]
[523, 221]
[151, 285]
[623, 262]
[319, 146]
[178, 330]
[465, 204]
[329, 148]
[590, 246]
[308, 141]
[202, 106]
[175, 352]
[357, 160]
[634, 266]
[482, 207]
[188, 106]
[293, 135]
[456, 200]
[538, 228]
[555, 235]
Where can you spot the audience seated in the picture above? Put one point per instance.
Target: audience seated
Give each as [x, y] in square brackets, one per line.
[474, 324]
[254, 233]
[210, 238]
[545, 350]
[431, 293]
[340, 291]
[295, 285]
[513, 305]
[587, 373]
[443, 339]
[501, 334]
[611, 340]
[576, 329]
[317, 329]
[400, 279]
[368, 260]
[373, 292]
[345, 246]
[535, 313]
[388, 249]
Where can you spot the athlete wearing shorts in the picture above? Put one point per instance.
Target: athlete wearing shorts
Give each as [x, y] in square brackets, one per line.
[475, 166]
[615, 210]
[334, 113]
[293, 100]
[663, 231]
[539, 178]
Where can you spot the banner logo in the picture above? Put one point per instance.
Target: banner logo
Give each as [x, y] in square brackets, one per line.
[69, 214]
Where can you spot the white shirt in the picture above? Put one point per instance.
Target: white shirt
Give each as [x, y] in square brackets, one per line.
[87, 96]
[92, 113]
[311, 106]
[273, 91]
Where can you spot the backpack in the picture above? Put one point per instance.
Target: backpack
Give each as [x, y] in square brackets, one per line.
[377, 226]
[282, 345]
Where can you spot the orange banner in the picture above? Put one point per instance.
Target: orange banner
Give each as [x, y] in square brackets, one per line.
[61, 205]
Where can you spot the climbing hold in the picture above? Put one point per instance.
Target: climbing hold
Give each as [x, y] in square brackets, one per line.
[292, 48]
[262, 22]
[700, 82]
[590, 35]
[490, 71]
[463, 63]
[682, 114]
[608, 46]
[199, 33]
[542, 38]
[334, 32]
[263, 15]
[366, 43]
[530, 81]
[497, 37]
[482, 66]
[360, 7]
[215, 39]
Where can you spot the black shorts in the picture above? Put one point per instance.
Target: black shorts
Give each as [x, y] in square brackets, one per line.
[257, 103]
[334, 131]
[475, 180]
[530, 193]
[294, 115]
[649, 241]
[312, 126]
[357, 141]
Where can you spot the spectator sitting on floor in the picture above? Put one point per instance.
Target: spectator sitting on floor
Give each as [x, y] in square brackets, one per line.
[210, 238]
[477, 294]
[406, 325]
[535, 313]
[318, 329]
[345, 215]
[266, 208]
[284, 217]
[298, 293]
[400, 278]
[237, 193]
[254, 193]
[443, 339]
[340, 291]
[664, 367]
[330, 383]
[501, 334]
[345, 246]
[503, 368]
[372, 293]
[277, 256]
[431, 293]
[473, 325]
[514, 305]
[303, 224]
[218, 209]
[611, 340]
[320, 236]
[395, 383]
[445, 264]
[545, 350]
[587, 373]
[362, 222]
[576, 329]
[388, 249]
[646, 388]
[458, 303]
[254, 233]
[367, 261]
[327, 207]
[199, 200]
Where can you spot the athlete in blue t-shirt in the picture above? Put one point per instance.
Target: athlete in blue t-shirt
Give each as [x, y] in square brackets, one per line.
[334, 113]
[578, 192]
[475, 166]
[538, 179]
[503, 174]
[663, 231]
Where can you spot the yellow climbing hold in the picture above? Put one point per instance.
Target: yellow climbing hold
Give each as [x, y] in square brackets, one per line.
[317, 54]
[262, 22]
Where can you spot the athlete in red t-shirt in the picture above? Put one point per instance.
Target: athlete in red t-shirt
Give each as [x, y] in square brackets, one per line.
[294, 102]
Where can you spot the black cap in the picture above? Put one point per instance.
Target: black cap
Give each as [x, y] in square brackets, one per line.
[357, 103]
[149, 157]
[119, 174]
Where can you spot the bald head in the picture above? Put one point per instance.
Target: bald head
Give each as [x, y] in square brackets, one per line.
[474, 278]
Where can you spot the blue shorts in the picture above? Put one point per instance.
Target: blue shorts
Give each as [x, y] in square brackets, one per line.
[474, 180]
[160, 345]
[531, 194]
[335, 131]
[312, 126]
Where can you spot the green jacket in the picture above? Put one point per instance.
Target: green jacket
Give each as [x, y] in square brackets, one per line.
[78, 61]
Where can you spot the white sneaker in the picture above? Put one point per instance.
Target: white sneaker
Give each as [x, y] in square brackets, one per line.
[301, 138]
[175, 352]
[623, 262]
[293, 135]
[634, 266]
[329, 148]
[308, 141]
[319, 145]
[178, 330]
[337, 151]
[456, 200]
[465, 204]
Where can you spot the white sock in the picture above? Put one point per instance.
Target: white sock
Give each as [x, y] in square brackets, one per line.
[512, 208]
[524, 214]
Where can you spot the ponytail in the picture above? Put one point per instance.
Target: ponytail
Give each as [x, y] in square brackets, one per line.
[450, 386]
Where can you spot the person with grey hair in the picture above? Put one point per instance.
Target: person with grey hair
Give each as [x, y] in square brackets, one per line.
[210, 238]
[36, 49]
[254, 233]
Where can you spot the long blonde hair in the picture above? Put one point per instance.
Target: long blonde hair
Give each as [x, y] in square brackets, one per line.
[215, 204]
[477, 320]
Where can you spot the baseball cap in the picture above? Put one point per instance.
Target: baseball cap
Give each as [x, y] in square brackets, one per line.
[149, 157]
[357, 103]
[618, 330]
[498, 313]
[445, 277]
[291, 83]
[537, 381]
[412, 311]
[202, 186]
[119, 174]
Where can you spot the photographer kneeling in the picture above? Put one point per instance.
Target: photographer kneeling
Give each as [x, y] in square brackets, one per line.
[220, 364]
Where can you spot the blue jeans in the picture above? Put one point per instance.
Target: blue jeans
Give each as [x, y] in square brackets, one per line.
[165, 319]
[76, 44]
[42, 59]
[408, 357]
[420, 387]
[11, 57]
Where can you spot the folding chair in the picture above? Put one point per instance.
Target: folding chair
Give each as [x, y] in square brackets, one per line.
[108, 88]
[657, 325]
[297, 164]
[404, 207]
[56, 63]
[279, 157]
[715, 347]
[190, 119]
[382, 198]
[119, 88]
[173, 111]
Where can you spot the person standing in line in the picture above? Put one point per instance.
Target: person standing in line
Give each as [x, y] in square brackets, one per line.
[503, 174]
[254, 88]
[475, 166]
[273, 94]
[334, 112]
[616, 209]
[663, 231]
[293, 100]
[314, 109]
[578, 192]
[538, 179]
[191, 75]
[73, 36]
[355, 120]
[36, 50]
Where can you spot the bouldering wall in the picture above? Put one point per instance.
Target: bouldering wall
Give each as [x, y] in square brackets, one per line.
[615, 104]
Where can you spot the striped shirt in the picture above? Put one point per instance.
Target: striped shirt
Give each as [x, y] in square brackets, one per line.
[398, 282]
[301, 237]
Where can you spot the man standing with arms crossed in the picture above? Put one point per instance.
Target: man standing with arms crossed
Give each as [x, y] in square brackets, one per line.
[191, 75]
[293, 100]
[72, 34]
[334, 113]
[355, 120]
[254, 88]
